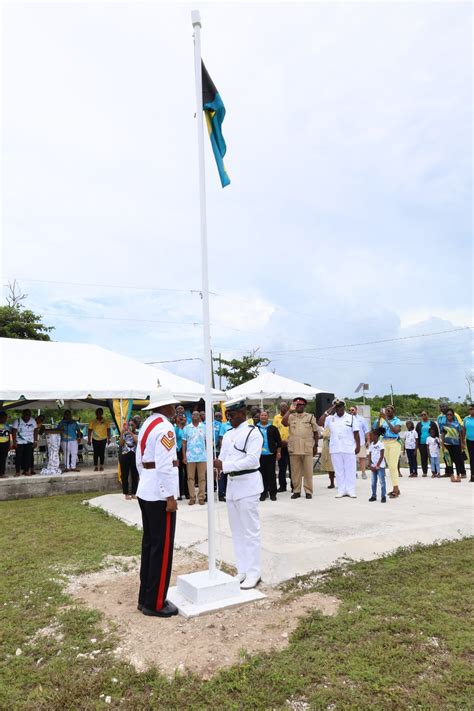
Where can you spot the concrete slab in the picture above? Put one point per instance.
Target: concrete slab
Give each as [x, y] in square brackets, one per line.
[192, 609]
[300, 536]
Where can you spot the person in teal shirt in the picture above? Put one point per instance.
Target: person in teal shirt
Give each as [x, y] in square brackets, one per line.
[216, 429]
[468, 427]
[183, 479]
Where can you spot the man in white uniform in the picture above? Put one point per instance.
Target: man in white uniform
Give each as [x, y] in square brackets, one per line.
[344, 445]
[240, 459]
[158, 491]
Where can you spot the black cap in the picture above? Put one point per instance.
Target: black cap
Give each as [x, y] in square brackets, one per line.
[234, 405]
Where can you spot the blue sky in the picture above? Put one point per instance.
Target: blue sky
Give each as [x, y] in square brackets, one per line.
[349, 215]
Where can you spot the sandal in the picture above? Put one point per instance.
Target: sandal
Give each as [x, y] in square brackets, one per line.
[394, 494]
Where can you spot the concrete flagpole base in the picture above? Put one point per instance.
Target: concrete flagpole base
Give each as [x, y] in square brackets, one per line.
[197, 593]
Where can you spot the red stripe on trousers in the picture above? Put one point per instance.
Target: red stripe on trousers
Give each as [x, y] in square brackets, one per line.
[164, 564]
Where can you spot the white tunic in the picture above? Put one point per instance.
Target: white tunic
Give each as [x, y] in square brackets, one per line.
[160, 447]
[234, 459]
[342, 433]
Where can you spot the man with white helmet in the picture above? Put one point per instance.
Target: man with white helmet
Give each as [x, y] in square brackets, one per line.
[158, 491]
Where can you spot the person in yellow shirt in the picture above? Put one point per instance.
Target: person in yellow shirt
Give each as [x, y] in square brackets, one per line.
[284, 462]
[99, 436]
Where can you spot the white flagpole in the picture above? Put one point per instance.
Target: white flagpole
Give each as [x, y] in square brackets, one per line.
[196, 22]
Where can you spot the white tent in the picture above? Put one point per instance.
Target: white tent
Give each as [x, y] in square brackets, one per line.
[51, 371]
[269, 386]
[185, 389]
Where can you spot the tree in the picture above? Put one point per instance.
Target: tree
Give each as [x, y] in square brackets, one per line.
[237, 371]
[18, 322]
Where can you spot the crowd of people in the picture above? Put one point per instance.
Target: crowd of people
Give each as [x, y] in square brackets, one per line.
[345, 441]
[24, 434]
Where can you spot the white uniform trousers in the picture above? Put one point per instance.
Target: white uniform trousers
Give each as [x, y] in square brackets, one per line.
[245, 526]
[70, 454]
[345, 468]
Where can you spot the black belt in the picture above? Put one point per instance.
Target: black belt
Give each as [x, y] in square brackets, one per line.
[243, 471]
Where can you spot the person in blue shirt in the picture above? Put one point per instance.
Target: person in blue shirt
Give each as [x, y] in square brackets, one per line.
[391, 444]
[70, 434]
[271, 452]
[452, 436]
[222, 481]
[183, 480]
[468, 426]
[423, 431]
[442, 419]
[195, 457]
[216, 429]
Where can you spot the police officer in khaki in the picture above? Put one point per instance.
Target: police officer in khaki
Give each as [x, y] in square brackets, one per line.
[302, 445]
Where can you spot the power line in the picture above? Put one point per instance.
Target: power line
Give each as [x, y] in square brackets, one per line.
[176, 360]
[121, 318]
[370, 343]
[110, 286]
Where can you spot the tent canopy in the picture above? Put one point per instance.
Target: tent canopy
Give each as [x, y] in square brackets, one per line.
[50, 371]
[269, 386]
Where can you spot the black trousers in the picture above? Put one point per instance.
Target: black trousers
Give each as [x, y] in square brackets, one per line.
[128, 469]
[98, 447]
[4, 449]
[24, 457]
[183, 476]
[424, 457]
[470, 449]
[455, 452]
[267, 468]
[412, 463]
[283, 464]
[157, 553]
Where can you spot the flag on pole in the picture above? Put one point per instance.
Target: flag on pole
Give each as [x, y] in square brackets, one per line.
[214, 111]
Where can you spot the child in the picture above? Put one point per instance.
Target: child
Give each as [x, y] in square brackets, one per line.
[377, 463]
[411, 437]
[433, 447]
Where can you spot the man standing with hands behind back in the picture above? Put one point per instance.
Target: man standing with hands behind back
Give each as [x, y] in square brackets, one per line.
[158, 491]
[302, 446]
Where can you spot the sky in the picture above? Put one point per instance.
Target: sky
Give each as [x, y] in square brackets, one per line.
[349, 215]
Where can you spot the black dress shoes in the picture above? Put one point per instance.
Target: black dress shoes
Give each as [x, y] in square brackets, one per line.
[295, 496]
[168, 610]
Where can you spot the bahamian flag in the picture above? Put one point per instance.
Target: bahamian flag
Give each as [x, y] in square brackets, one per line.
[214, 111]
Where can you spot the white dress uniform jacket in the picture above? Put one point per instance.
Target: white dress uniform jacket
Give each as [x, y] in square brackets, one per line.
[241, 449]
[342, 433]
[157, 443]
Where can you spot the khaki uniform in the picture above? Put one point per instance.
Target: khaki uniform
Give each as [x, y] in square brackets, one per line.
[300, 447]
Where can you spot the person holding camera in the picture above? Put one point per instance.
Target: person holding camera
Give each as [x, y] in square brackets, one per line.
[344, 446]
[392, 444]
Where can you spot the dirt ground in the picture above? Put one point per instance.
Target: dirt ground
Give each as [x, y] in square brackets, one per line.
[201, 644]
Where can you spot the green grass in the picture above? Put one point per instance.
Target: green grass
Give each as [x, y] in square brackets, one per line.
[402, 638]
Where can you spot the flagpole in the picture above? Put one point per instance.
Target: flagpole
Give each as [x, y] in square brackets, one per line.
[196, 22]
